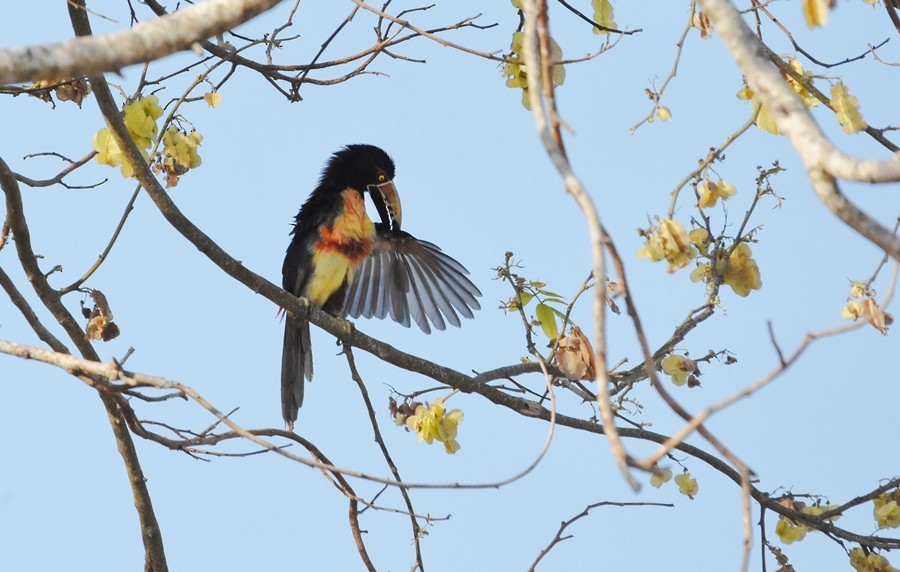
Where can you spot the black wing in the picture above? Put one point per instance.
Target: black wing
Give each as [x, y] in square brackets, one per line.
[409, 278]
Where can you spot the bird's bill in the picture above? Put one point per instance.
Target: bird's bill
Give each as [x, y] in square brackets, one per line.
[387, 203]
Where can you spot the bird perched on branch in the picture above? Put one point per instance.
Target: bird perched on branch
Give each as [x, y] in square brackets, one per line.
[350, 266]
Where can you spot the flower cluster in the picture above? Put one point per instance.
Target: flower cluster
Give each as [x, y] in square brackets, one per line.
[515, 70]
[862, 304]
[740, 271]
[887, 509]
[179, 154]
[669, 241]
[432, 423]
[140, 119]
[789, 530]
[870, 562]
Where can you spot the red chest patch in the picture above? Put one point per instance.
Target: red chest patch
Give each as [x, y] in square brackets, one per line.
[352, 232]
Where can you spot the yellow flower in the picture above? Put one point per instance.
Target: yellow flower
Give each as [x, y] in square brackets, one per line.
[108, 152]
[671, 242]
[764, 118]
[687, 485]
[679, 367]
[710, 192]
[887, 511]
[179, 154]
[431, 424]
[661, 477]
[853, 310]
[181, 150]
[702, 272]
[213, 98]
[140, 118]
[816, 12]
[664, 113]
[742, 273]
[858, 560]
[858, 290]
[846, 107]
[807, 96]
[603, 15]
[515, 70]
[700, 238]
[817, 509]
[789, 531]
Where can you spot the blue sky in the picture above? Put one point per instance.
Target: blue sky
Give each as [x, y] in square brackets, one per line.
[473, 179]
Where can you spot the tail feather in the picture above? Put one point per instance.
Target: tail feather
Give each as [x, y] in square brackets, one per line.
[296, 364]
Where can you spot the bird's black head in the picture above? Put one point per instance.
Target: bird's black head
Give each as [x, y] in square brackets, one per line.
[357, 167]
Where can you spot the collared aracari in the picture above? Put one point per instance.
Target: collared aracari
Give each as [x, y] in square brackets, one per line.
[350, 266]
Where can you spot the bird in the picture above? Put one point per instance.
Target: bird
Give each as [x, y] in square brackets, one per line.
[350, 266]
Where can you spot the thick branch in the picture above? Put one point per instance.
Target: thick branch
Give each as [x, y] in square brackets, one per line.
[144, 42]
[824, 162]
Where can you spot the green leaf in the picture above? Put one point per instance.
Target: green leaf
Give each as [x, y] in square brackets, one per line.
[547, 318]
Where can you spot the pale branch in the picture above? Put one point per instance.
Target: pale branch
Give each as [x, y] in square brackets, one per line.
[824, 162]
[536, 24]
[144, 42]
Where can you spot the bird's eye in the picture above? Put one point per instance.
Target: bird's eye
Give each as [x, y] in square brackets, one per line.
[381, 178]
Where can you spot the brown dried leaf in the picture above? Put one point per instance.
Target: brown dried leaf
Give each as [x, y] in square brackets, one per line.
[873, 314]
[575, 356]
[100, 320]
[701, 21]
